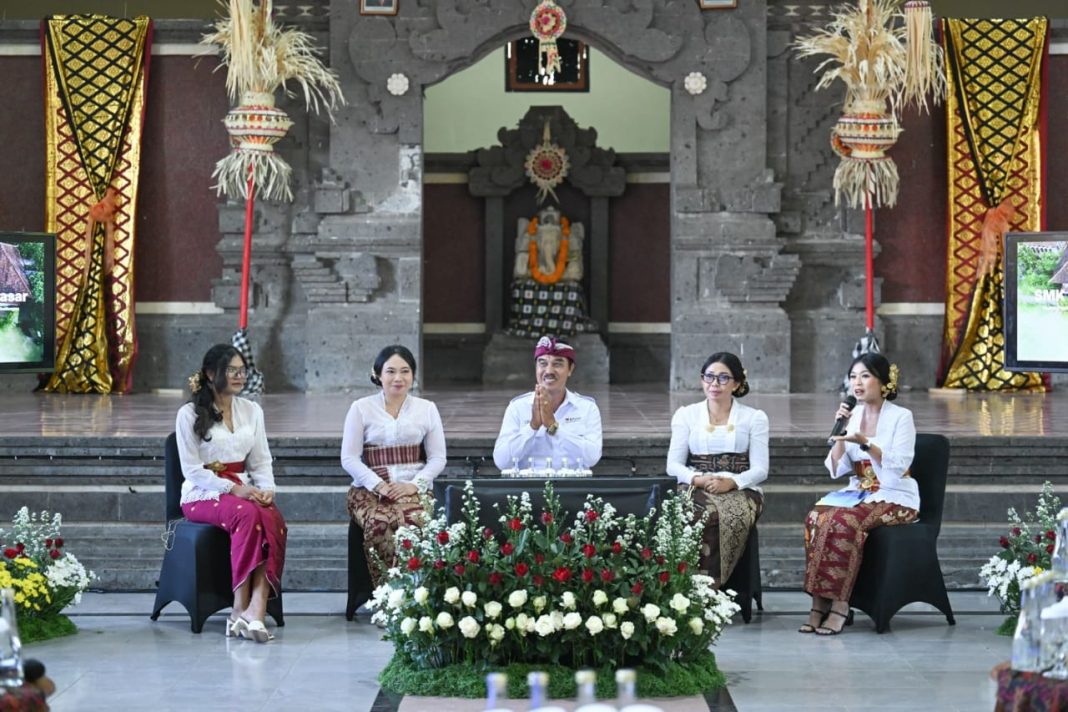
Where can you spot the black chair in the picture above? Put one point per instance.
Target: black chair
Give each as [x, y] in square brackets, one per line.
[359, 575]
[900, 564]
[196, 566]
[745, 579]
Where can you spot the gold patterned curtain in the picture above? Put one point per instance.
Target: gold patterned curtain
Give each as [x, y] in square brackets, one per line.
[994, 131]
[96, 74]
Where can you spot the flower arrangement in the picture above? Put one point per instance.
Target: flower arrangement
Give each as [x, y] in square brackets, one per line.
[1026, 551]
[46, 578]
[600, 591]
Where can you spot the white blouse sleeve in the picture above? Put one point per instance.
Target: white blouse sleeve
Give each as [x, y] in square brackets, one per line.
[845, 464]
[679, 449]
[586, 439]
[759, 460]
[434, 444]
[258, 463]
[897, 454]
[514, 439]
[189, 455]
[352, 451]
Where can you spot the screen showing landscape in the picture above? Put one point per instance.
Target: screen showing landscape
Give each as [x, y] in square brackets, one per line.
[27, 302]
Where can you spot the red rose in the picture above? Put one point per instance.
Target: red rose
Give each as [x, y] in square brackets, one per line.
[487, 533]
[54, 553]
[459, 569]
[58, 542]
[566, 538]
[1004, 541]
[607, 575]
[414, 563]
[1032, 558]
[11, 553]
[636, 589]
[48, 542]
[439, 564]
[562, 574]
[1049, 548]
[647, 553]
[539, 558]
[407, 543]
[587, 575]
[546, 518]
[516, 524]
[443, 537]
[507, 548]
[1051, 535]
[1038, 538]
[521, 569]
[1016, 531]
[472, 556]
[682, 567]
[21, 547]
[588, 550]
[617, 547]
[495, 579]
[664, 576]
[591, 516]
[538, 580]
[660, 559]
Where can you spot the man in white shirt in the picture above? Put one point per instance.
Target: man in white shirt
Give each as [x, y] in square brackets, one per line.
[550, 421]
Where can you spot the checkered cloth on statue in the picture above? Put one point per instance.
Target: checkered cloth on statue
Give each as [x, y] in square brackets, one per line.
[549, 308]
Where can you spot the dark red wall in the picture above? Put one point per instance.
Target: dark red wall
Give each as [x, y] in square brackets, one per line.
[454, 255]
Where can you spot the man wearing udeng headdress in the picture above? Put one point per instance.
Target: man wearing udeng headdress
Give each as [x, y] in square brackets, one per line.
[550, 421]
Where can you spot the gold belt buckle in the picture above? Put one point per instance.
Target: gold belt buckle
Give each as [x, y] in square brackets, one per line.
[215, 467]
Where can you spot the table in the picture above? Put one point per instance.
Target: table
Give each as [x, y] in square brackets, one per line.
[1030, 692]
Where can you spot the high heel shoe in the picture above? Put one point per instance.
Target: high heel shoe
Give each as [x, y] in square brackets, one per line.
[847, 619]
[256, 630]
[808, 627]
[236, 627]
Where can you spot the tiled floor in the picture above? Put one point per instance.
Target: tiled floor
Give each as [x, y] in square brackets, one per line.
[627, 411]
[121, 660]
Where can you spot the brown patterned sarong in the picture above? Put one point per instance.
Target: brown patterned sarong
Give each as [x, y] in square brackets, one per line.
[834, 543]
[380, 518]
[730, 515]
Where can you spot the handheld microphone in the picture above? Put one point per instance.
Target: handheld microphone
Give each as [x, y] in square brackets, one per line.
[840, 424]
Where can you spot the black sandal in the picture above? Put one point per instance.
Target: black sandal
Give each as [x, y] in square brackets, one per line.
[825, 631]
[808, 627]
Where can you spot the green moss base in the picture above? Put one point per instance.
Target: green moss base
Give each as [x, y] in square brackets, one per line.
[34, 630]
[677, 680]
[1007, 627]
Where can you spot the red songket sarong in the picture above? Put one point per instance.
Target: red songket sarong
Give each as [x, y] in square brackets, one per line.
[257, 533]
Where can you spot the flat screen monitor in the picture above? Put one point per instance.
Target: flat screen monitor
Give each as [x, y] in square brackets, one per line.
[27, 302]
[1036, 301]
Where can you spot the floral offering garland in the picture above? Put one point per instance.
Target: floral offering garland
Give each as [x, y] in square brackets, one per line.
[561, 254]
[547, 165]
[547, 23]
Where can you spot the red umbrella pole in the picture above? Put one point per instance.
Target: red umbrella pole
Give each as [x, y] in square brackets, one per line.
[246, 258]
[869, 263]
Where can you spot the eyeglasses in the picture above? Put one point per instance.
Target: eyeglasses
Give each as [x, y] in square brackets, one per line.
[720, 378]
[236, 372]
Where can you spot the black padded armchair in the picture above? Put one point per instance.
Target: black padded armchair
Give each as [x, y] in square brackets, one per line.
[900, 564]
[745, 579]
[359, 575]
[196, 565]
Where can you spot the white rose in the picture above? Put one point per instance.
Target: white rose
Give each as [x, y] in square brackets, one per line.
[539, 603]
[469, 627]
[522, 621]
[396, 598]
[558, 619]
[679, 602]
[667, 626]
[426, 625]
[594, 624]
[600, 598]
[492, 609]
[408, 625]
[495, 632]
[697, 626]
[452, 594]
[620, 606]
[626, 629]
[444, 620]
[421, 594]
[651, 611]
[544, 626]
[609, 620]
[516, 599]
[469, 598]
[572, 620]
[510, 624]
[569, 600]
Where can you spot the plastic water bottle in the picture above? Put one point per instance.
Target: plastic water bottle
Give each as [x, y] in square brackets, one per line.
[11, 674]
[1035, 594]
[627, 693]
[497, 692]
[539, 690]
[586, 681]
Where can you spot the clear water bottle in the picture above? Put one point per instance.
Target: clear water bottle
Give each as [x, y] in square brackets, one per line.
[1035, 594]
[497, 692]
[586, 682]
[539, 693]
[11, 674]
[627, 693]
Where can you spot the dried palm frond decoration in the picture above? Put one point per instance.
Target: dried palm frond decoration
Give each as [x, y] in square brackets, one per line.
[888, 59]
[259, 58]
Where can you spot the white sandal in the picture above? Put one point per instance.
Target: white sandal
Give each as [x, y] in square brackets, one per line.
[256, 630]
[236, 627]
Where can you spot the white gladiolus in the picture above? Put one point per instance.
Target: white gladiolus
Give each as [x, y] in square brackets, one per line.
[444, 620]
[620, 606]
[408, 625]
[421, 594]
[626, 629]
[492, 609]
[452, 594]
[469, 627]
[667, 626]
[539, 603]
[516, 599]
[599, 598]
[469, 598]
[697, 626]
[572, 620]
[679, 603]
[568, 600]
[651, 611]
[594, 624]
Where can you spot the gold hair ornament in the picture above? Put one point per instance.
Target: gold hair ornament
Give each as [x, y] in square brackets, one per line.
[195, 382]
[891, 385]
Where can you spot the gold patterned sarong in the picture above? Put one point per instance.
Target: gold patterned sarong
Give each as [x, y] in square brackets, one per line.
[730, 515]
[995, 152]
[96, 70]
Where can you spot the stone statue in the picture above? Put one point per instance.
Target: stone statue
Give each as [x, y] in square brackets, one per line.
[548, 231]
